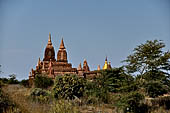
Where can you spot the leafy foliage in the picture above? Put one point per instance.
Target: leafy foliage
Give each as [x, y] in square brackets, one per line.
[94, 93]
[6, 105]
[132, 102]
[155, 89]
[68, 86]
[25, 83]
[64, 106]
[114, 79]
[4, 80]
[42, 81]
[147, 57]
[152, 67]
[40, 95]
[12, 79]
[38, 92]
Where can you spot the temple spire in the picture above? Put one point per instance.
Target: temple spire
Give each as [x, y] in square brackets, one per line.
[62, 44]
[85, 66]
[98, 67]
[105, 64]
[106, 58]
[39, 62]
[79, 67]
[49, 40]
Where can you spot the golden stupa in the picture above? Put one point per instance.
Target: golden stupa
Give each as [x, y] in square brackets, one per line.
[107, 65]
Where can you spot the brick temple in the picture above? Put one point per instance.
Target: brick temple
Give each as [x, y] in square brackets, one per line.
[52, 67]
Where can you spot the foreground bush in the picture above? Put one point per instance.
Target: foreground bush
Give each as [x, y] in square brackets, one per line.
[155, 89]
[96, 93]
[64, 106]
[132, 102]
[6, 105]
[68, 86]
[42, 81]
[4, 80]
[40, 95]
[25, 83]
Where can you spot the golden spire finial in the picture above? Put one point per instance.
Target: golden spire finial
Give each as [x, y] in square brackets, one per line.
[62, 44]
[105, 64]
[49, 40]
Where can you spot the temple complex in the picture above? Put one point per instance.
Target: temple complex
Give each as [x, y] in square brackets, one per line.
[51, 67]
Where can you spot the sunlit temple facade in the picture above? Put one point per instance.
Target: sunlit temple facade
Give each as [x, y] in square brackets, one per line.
[52, 66]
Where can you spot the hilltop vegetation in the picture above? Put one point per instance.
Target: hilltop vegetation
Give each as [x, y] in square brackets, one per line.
[142, 85]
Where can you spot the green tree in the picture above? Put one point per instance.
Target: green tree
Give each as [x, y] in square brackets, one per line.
[42, 81]
[114, 79]
[25, 83]
[148, 57]
[12, 79]
[152, 65]
[69, 86]
[155, 88]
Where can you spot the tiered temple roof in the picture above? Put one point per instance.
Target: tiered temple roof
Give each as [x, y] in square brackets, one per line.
[51, 67]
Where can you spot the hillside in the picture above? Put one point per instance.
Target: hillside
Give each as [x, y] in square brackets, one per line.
[19, 95]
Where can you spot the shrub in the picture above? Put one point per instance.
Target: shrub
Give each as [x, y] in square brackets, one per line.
[6, 105]
[128, 88]
[12, 79]
[38, 92]
[114, 79]
[132, 102]
[40, 95]
[4, 80]
[68, 86]
[94, 93]
[64, 106]
[1, 83]
[25, 83]
[42, 81]
[155, 89]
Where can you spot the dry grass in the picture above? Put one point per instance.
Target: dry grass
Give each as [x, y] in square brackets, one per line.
[19, 95]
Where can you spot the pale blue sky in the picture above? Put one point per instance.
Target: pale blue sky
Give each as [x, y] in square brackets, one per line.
[91, 29]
